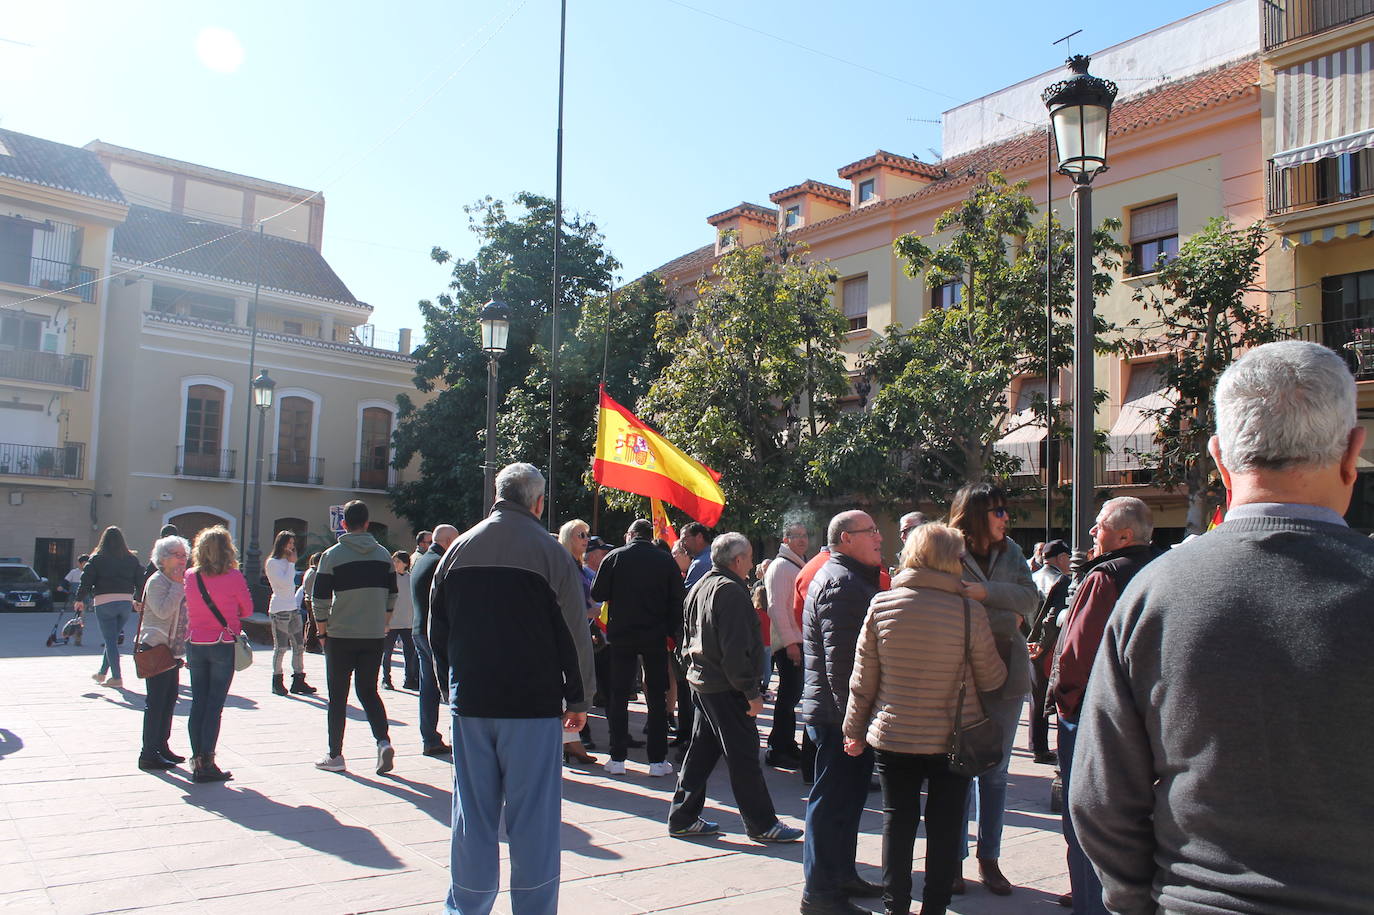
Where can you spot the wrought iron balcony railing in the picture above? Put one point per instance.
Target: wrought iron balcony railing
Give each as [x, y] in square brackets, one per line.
[61, 461]
[71, 371]
[215, 464]
[294, 467]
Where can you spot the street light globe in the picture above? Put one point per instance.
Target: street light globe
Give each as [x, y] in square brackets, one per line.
[495, 322]
[262, 391]
[1080, 108]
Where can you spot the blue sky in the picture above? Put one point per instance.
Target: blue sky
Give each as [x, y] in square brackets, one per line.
[403, 113]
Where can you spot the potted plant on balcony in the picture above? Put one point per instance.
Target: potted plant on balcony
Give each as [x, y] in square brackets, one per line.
[45, 462]
[1362, 345]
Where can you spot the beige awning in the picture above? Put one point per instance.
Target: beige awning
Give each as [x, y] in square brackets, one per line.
[1026, 433]
[1325, 107]
[1135, 427]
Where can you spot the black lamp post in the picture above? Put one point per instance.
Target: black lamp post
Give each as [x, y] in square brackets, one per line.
[263, 387]
[1080, 107]
[495, 323]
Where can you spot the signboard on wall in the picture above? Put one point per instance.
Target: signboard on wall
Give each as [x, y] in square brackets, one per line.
[336, 520]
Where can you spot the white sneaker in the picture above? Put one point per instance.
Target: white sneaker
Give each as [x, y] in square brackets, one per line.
[386, 757]
[660, 768]
[115, 683]
[99, 678]
[613, 767]
[331, 763]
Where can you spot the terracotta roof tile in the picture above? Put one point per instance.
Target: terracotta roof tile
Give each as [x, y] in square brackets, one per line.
[746, 211]
[891, 160]
[812, 186]
[56, 165]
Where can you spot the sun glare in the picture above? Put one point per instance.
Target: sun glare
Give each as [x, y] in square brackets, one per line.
[219, 50]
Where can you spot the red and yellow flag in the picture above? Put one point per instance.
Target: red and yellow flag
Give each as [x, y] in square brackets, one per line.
[634, 458]
[662, 526]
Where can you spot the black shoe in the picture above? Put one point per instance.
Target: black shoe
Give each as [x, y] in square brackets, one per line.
[1048, 758]
[958, 887]
[831, 907]
[168, 754]
[782, 759]
[413, 685]
[860, 888]
[278, 685]
[300, 687]
[211, 773]
[439, 749]
[155, 764]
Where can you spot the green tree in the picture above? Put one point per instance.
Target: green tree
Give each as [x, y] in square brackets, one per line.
[1205, 312]
[941, 401]
[753, 374]
[514, 263]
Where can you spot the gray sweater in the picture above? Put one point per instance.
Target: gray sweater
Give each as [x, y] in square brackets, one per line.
[1224, 758]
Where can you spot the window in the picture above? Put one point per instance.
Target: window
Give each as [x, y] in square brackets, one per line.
[173, 301]
[854, 293]
[947, 295]
[1154, 237]
[868, 190]
[1347, 305]
[376, 448]
[727, 239]
[204, 430]
[293, 440]
[1345, 176]
[792, 217]
[293, 327]
[22, 331]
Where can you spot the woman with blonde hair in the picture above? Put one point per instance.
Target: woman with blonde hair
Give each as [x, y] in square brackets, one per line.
[217, 599]
[903, 694]
[573, 535]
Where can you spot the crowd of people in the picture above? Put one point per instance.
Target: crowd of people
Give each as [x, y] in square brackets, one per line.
[1211, 712]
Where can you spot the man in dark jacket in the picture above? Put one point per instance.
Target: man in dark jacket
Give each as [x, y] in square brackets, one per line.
[1223, 750]
[1121, 548]
[513, 633]
[836, 601]
[643, 590]
[723, 652]
[433, 683]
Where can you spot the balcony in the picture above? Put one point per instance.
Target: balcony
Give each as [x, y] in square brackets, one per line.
[71, 371]
[60, 461]
[1316, 184]
[293, 467]
[1289, 20]
[369, 476]
[206, 464]
[42, 273]
[1339, 336]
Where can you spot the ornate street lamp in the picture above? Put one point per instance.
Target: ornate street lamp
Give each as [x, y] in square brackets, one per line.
[1080, 108]
[494, 320]
[263, 388]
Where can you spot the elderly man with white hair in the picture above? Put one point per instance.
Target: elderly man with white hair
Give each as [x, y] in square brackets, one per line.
[1223, 755]
[722, 649]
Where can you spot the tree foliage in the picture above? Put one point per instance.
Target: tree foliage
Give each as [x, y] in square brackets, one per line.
[1203, 315]
[753, 374]
[513, 264]
[941, 401]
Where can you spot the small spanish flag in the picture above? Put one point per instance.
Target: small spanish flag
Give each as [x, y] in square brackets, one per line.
[662, 527]
[634, 458]
[1217, 518]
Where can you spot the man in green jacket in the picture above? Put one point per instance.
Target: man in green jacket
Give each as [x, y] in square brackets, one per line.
[354, 594]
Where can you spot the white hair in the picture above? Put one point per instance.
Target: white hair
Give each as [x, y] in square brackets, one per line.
[1287, 404]
[1127, 513]
[522, 484]
[726, 548]
[163, 548]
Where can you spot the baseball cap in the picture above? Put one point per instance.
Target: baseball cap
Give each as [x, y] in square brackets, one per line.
[1055, 548]
[596, 543]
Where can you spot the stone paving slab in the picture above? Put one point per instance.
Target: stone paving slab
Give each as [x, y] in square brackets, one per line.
[83, 831]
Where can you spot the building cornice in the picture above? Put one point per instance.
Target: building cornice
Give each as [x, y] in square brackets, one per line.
[212, 329]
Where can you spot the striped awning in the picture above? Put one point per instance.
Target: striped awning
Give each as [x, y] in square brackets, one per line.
[1325, 106]
[1135, 429]
[1026, 428]
[1330, 233]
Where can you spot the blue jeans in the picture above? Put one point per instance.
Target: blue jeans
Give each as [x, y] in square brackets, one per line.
[1087, 889]
[515, 763]
[212, 670]
[987, 800]
[833, 811]
[111, 617]
[429, 693]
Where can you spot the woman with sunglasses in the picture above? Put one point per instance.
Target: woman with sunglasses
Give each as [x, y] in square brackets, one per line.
[995, 574]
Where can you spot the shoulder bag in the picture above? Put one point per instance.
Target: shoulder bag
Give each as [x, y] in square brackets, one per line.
[977, 748]
[151, 660]
[243, 651]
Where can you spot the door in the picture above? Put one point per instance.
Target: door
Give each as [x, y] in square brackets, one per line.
[52, 559]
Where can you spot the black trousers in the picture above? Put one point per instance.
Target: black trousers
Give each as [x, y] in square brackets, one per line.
[359, 661]
[161, 693]
[624, 665]
[1039, 720]
[783, 737]
[407, 640]
[902, 775]
[686, 708]
[723, 727]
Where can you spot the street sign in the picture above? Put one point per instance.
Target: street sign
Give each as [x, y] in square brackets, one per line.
[336, 520]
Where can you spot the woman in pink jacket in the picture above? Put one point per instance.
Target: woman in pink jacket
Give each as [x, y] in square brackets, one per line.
[217, 599]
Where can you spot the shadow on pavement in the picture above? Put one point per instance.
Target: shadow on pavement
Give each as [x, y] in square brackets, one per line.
[436, 802]
[10, 742]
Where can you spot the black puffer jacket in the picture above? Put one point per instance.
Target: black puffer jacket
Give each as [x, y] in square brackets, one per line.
[836, 603]
[110, 574]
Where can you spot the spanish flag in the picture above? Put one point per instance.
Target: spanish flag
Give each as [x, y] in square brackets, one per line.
[634, 458]
[662, 526]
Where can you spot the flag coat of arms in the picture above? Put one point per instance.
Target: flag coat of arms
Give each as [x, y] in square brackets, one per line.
[632, 457]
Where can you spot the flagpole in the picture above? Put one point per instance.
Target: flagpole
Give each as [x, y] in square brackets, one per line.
[605, 359]
[552, 508]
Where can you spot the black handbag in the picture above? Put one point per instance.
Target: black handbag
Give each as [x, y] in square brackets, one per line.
[977, 748]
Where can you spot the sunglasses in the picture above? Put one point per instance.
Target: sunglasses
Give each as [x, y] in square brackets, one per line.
[581, 535]
[1000, 511]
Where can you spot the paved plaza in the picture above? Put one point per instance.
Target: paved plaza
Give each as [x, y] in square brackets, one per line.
[82, 830]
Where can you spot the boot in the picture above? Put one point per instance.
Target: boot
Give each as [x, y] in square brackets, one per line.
[279, 684]
[209, 772]
[300, 687]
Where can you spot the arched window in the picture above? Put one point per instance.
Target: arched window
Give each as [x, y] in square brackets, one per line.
[202, 445]
[294, 445]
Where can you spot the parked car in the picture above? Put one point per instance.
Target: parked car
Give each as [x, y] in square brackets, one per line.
[21, 588]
